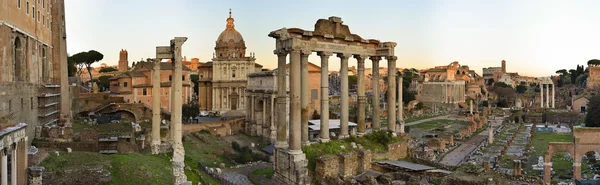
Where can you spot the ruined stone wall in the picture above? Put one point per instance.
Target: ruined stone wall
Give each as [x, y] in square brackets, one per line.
[345, 166]
[19, 104]
[62, 146]
[398, 150]
[594, 77]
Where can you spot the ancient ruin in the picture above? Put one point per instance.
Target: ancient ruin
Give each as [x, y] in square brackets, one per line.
[330, 36]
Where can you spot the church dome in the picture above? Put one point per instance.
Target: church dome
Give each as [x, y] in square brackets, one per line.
[230, 43]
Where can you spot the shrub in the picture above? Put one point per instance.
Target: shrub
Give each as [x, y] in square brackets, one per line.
[235, 146]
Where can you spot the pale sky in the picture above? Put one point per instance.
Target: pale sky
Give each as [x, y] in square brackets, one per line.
[535, 37]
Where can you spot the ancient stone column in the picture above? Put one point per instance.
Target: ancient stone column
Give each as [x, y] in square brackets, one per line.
[471, 107]
[264, 114]
[304, 95]
[14, 157]
[22, 161]
[375, 121]
[541, 94]
[178, 151]
[155, 145]
[282, 125]
[252, 110]
[361, 94]
[391, 93]
[324, 96]
[295, 91]
[548, 96]
[553, 94]
[577, 170]
[490, 134]
[4, 167]
[273, 129]
[344, 96]
[400, 106]
[35, 175]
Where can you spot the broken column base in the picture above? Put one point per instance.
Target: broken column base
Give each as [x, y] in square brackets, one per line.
[179, 173]
[290, 167]
[35, 175]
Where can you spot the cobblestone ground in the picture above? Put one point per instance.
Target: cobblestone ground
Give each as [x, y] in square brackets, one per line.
[458, 155]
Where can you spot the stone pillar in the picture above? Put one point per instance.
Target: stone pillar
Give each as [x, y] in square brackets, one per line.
[14, 162]
[22, 161]
[553, 94]
[400, 106]
[541, 95]
[155, 145]
[361, 94]
[391, 94]
[304, 95]
[4, 167]
[178, 150]
[264, 115]
[548, 96]
[324, 96]
[547, 171]
[471, 107]
[282, 125]
[446, 94]
[35, 175]
[344, 96]
[295, 125]
[490, 134]
[375, 121]
[273, 129]
[577, 169]
[252, 110]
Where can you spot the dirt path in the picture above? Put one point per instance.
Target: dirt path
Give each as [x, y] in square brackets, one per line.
[431, 119]
[456, 156]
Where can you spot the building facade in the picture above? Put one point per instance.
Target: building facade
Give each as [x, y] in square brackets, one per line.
[33, 61]
[224, 88]
[261, 109]
[135, 86]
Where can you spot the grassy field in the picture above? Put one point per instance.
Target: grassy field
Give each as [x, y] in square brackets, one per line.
[130, 168]
[540, 141]
[433, 124]
[267, 172]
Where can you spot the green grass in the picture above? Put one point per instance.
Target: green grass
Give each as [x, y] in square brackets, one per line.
[540, 140]
[129, 168]
[267, 172]
[432, 124]
[315, 150]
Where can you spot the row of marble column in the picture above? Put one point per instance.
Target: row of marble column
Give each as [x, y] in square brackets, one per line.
[299, 94]
[454, 93]
[18, 153]
[251, 109]
[549, 103]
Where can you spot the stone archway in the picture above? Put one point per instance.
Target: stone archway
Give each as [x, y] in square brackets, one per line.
[555, 147]
[18, 60]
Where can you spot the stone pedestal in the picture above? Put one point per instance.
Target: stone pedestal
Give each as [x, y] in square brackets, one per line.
[35, 175]
[290, 167]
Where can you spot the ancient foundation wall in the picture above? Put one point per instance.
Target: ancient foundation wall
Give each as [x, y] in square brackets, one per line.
[345, 165]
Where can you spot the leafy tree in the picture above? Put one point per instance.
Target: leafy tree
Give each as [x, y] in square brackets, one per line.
[194, 78]
[562, 72]
[521, 88]
[86, 59]
[107, 69]
[592, 118]
[104, 82]
[316, 115]
[352, 81]
[419, 106]
[594, 62]
[133, 64]
[490, 82]
[190, 110]
[77, 60]
[502, 84]
[484, 103]
[72, 68]
[91, 57]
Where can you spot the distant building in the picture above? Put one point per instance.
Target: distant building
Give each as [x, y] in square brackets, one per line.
[580, 103]
[447, 84]
[135, 85]
[223, 80]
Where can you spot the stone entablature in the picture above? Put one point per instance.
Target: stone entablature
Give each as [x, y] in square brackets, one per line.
[14, 143]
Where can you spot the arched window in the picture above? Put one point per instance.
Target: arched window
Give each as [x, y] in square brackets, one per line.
[233, 73]
[17, 59]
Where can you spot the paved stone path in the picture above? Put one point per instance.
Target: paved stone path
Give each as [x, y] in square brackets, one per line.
[456, 156]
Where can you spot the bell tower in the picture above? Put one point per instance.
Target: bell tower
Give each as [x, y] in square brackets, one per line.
[123, 63]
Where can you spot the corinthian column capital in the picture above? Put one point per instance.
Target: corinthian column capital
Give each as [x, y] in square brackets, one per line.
[375, 58]
[360, 58]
